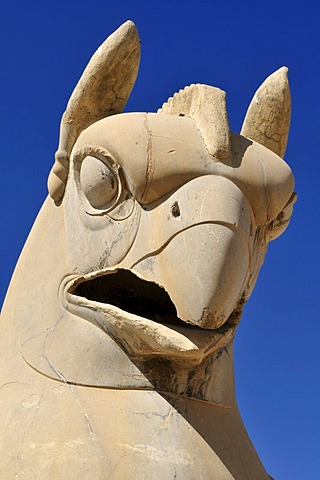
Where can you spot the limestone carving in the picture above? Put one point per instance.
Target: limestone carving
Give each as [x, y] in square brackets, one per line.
[117, 330]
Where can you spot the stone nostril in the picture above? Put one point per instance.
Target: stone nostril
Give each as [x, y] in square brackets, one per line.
[175, 209]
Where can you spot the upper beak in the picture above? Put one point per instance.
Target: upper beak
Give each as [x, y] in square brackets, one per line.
[197, 245]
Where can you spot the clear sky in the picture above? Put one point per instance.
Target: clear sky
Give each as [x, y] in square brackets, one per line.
[232, 45]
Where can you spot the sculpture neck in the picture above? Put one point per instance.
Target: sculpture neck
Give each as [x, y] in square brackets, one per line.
[94, 359]
[212, 381]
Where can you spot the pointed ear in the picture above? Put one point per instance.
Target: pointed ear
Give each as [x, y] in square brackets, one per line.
[268, 117]
[102, 90]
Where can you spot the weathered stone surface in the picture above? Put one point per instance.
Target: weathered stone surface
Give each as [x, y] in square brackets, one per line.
[117, 332]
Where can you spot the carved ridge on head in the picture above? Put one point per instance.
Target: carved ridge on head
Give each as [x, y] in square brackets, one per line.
[206, 105]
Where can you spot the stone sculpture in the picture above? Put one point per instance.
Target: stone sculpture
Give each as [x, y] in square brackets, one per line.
[117, 330]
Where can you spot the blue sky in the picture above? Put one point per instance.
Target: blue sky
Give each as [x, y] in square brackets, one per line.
[232, 45]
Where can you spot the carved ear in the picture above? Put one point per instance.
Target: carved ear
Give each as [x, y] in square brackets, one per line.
[102, 90]
[207, 107]
[268, 117]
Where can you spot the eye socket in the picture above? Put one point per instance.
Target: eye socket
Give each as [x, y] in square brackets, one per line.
[99, 183]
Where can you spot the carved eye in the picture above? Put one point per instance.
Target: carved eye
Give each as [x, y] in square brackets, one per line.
[99, 183]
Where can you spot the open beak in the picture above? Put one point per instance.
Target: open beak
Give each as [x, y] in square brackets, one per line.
[178, 293]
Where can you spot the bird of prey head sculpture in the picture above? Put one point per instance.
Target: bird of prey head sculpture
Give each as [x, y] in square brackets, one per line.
[136, 272]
